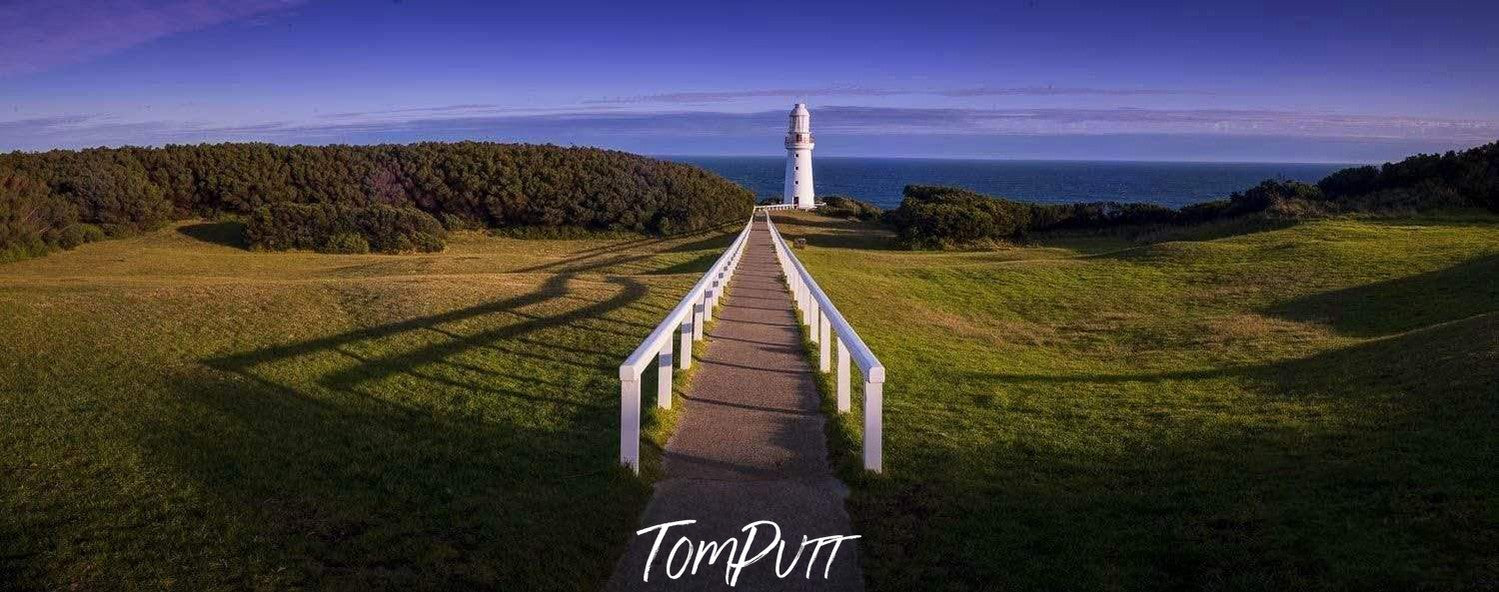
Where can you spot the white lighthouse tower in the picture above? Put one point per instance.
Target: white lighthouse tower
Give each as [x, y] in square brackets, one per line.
[799, 159]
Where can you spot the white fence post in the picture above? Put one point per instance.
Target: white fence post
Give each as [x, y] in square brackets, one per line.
[874, 426]
[718, 286]
[844, 402]
[687, 317]
[810, 315]
[629, 424]
[826, 324]
[663, 374]
[825, 354]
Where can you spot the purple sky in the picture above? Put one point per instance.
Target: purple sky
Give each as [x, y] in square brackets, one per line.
[1303, 81]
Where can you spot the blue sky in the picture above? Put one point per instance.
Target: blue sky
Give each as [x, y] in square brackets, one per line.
[1296, 81]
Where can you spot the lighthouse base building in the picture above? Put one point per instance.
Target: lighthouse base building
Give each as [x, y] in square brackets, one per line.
[799, 160]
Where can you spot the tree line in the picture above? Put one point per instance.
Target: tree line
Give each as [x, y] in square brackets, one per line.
[940, 217]
[464, 185]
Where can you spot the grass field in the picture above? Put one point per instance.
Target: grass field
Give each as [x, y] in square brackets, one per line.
[179, 413]
[1302, 408]
[1297, 408]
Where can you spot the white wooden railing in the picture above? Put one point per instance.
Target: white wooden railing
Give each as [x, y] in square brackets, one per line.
[689, 315]
[826, 325]
[773, 207]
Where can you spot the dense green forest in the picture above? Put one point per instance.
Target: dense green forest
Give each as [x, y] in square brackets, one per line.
[936, 217]
[59, 198]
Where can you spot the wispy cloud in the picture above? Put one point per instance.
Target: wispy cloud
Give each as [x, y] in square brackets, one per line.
[43, 124]
[1058, 91]
[704, 97]
[1168, 121]
[708, 97]
[463, 110]
[604, 126]
[39, 34]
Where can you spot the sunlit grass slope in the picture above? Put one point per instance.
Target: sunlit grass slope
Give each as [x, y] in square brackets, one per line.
[1309, 407]
[179, 413]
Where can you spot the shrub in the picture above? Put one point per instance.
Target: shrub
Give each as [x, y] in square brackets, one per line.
[1099, 214]
[108, 192]
[941, 217]
[427, 243]
[323, 227]
[1350, 181]
[453, 221]
[945, 217]
[118, 230]
[25, 215]
[396, 230]
[348, 243]
[1206, 211]
[839, 206]
[78, 234]
[1469, 178]
[24, 249]
[1271, 193]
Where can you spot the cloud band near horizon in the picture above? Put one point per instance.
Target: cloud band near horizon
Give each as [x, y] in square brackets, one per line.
[709, 97]
[492, 122]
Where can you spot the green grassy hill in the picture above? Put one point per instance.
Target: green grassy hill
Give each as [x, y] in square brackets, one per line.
[1311, 407]
[180, 413]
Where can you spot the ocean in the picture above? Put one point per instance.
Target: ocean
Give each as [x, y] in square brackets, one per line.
[880, 180]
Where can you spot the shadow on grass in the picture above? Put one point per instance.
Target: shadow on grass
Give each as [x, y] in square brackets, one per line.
[1205, 231]
[554, 288]
[229, 233]
[836, 233]
[1470, 218]
[1402, 304]
[718, 240]
[586, 258]
[351, 492]
[386, 366]
[697, 265]
[1388, 487]
[1158, 244]
[343, 468]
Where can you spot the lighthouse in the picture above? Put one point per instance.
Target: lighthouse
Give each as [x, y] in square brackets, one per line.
[799, 159]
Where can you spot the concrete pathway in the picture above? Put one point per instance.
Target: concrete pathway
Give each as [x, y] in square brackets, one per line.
[749, 446]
